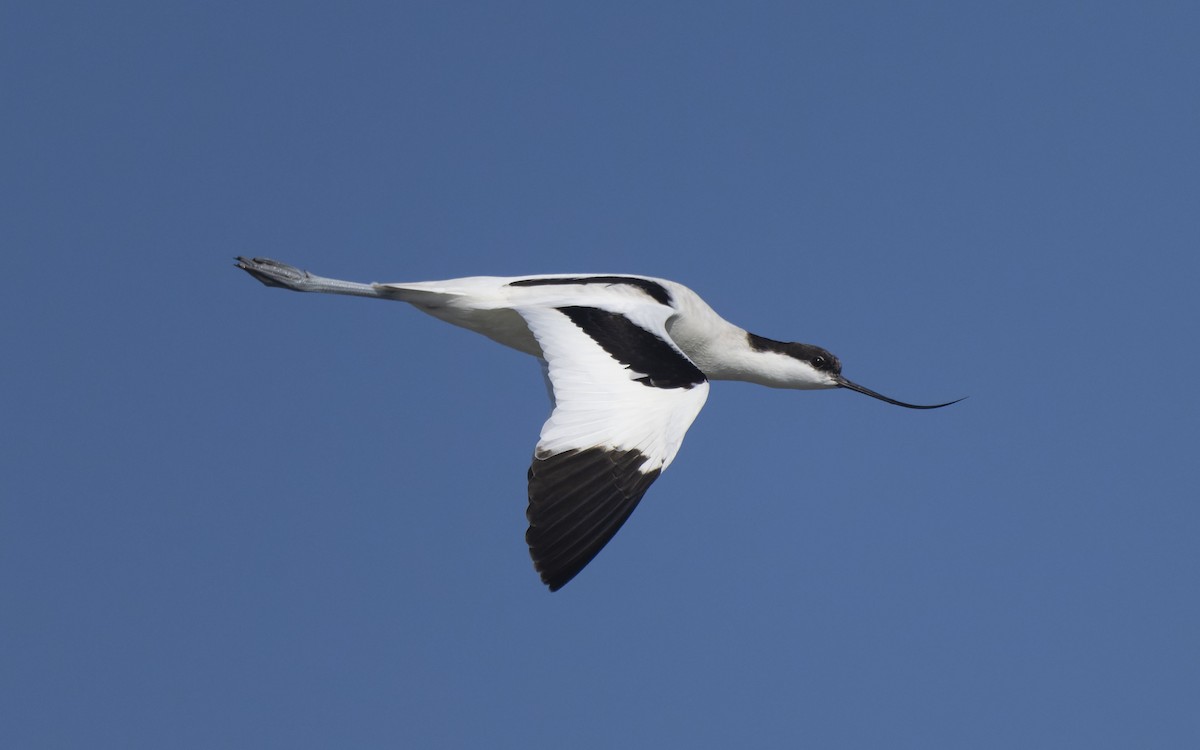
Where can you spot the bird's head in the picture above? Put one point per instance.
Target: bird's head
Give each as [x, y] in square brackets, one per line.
[813, 367]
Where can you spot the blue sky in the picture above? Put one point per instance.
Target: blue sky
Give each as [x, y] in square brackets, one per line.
[236, 517]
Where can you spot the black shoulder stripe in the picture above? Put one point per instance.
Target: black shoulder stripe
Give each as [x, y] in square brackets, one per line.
[578, 500]
[654, 290]
[661, 365]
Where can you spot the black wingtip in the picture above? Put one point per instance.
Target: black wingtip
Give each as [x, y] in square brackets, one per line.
[578, 500]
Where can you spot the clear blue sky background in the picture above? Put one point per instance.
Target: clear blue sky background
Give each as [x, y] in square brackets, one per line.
[234, 517]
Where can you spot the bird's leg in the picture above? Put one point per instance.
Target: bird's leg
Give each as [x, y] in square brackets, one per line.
[274, 273]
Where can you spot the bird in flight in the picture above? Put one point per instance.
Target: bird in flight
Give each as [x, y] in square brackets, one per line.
[627, 360]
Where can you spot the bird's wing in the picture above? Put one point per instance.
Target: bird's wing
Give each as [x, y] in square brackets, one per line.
[624, 395]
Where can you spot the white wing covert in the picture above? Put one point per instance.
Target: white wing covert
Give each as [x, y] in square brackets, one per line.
[624, 396]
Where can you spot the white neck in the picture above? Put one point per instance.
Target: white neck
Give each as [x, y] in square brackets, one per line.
[723, 351]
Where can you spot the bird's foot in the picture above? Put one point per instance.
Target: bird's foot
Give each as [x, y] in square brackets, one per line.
[274, 273]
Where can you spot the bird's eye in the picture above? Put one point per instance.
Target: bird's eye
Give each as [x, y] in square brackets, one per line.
[819, 362]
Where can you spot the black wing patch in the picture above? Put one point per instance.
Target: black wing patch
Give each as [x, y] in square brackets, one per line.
[577, 501]
[656, 291]
[661, 365]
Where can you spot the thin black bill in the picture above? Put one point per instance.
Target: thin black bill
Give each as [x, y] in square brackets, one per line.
[867, 391]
